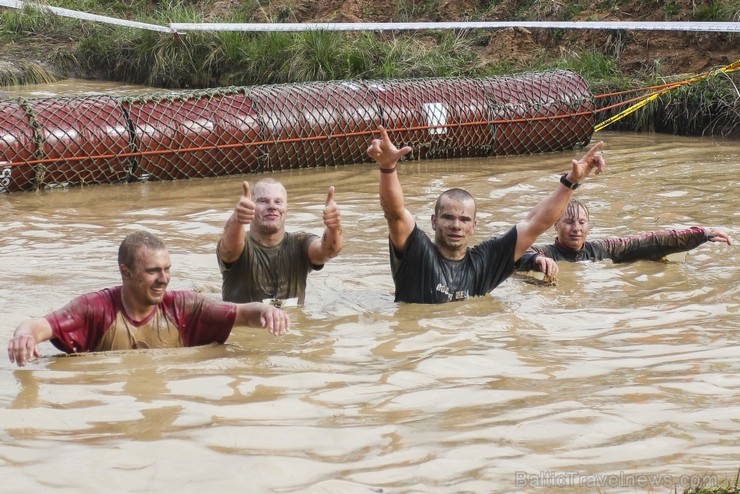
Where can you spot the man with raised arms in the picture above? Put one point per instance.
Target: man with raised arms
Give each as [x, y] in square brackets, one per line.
[266, 263]
[448, 269]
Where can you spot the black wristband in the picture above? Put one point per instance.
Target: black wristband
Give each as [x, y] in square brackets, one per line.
[568, 183]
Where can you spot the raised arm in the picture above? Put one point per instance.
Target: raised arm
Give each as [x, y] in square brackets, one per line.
[330, 243]
[23, 346]
[400, 220]
[547, 212]
[259, 315]
[231, 244]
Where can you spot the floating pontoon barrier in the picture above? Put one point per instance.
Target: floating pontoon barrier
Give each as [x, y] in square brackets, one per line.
[74, 141]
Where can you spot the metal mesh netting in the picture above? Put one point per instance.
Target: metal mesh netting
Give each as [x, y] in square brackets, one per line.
[316, 124]
[539, 113]
[73, 141]
[200, 134]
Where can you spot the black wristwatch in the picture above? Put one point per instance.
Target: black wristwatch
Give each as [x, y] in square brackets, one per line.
[568, 183]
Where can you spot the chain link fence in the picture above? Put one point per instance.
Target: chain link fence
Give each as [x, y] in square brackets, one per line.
[79, 141]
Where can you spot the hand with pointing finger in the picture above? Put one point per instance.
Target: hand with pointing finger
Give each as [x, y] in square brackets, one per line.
[591, 160]
[245, 207]
[385, 152]
[717, 235]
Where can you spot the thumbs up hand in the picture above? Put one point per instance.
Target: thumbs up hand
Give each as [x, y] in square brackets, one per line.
[245, 207]
[332, 215]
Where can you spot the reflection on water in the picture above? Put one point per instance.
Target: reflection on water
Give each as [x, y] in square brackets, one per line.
[75, 87]
[621, 378]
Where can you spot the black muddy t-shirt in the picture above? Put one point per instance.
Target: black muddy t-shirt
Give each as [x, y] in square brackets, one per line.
[423, 276]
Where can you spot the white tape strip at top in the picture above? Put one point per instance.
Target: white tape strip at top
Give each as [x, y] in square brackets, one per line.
[173, 27]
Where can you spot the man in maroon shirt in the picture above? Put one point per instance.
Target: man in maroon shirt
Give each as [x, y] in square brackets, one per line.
[140, 313]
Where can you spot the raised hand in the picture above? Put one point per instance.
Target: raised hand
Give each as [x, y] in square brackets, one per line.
[591, 160]
[385, 153]
[245, 207]
[332, 214]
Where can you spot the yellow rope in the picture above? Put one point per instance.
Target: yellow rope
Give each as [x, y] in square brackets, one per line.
[653, 96]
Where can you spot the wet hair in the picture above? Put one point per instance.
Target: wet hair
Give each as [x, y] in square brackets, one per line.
[268, 181]
[456, 194]
[571, 210]
[135, 242]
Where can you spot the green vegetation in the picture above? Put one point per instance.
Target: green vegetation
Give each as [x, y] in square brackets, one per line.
[211, 59]
[410, 10]
[709, 107]
[724, 488]
[25, 73]
[204, 59]
[713, 490]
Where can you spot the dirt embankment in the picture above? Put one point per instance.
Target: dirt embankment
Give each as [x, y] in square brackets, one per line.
[636, 52]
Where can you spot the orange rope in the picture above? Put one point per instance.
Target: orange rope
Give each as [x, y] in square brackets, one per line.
[637, 90]
[288, 140]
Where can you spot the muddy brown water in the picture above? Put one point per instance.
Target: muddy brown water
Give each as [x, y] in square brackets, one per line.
[620, 378]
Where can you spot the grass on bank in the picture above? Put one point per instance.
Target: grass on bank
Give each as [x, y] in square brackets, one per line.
[212, 59]
[24, 73]
[726, 487]
[202, 59]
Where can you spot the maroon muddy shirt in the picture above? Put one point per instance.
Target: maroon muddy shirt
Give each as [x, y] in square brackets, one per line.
[97, 322]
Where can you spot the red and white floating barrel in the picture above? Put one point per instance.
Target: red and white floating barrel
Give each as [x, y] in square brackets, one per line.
[439, 118]
[101, 139]
[315, 124]
[200, 134]
[52, 142]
